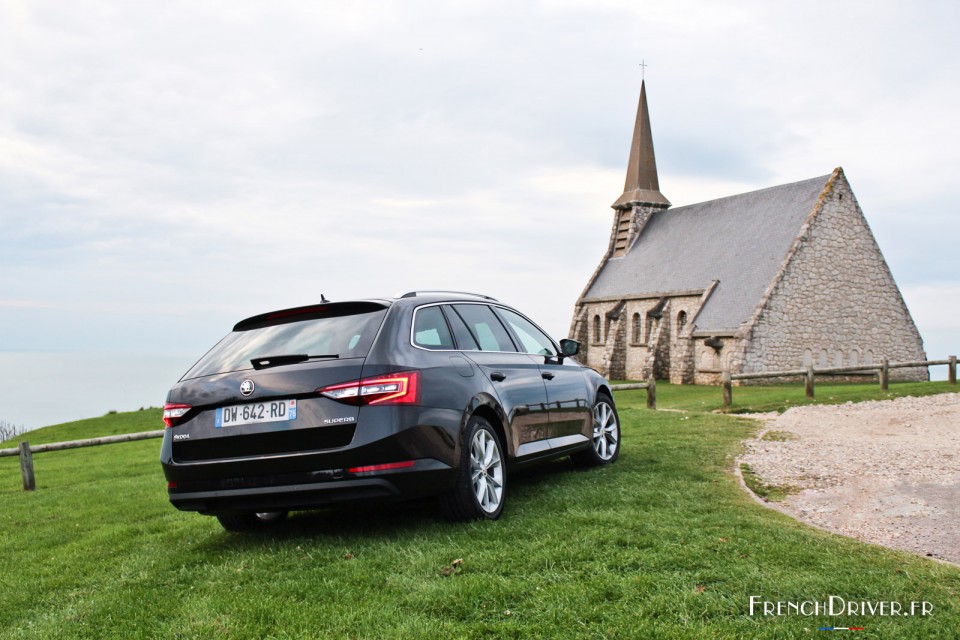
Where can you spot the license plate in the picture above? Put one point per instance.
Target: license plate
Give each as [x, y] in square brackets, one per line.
[256, 412]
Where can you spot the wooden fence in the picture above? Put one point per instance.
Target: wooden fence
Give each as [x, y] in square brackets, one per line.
[25, 451]
[882, 371]
[650, 385]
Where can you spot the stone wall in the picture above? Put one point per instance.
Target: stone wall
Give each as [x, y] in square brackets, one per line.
[639, 215]
[642, 331]
[614, 356]
[711, 363]
[683, 311]
[835, 302]
[591, 331]
[620, 347]
[636, 343]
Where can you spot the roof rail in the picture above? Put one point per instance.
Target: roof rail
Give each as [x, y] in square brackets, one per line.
[415, 293]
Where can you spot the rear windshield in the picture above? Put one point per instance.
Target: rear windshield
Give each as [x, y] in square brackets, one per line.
[343, 335]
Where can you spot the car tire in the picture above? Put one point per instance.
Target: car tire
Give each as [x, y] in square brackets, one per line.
[605, 442]
[250, 521]
[480, 489]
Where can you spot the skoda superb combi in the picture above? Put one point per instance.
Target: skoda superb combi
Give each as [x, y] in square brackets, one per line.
[423, 394]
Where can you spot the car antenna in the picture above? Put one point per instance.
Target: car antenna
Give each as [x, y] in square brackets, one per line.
[323, 298]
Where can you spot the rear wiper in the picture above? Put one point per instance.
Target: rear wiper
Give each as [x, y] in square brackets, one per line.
[292, 358]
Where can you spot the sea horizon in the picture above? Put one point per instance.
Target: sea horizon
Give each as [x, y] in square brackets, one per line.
[43, 388]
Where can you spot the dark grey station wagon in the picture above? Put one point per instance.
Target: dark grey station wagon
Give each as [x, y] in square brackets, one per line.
[426, 393]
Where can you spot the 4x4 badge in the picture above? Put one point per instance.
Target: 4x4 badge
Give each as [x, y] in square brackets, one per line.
[246, 387]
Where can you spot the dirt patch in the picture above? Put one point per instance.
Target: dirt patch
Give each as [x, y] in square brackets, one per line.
[886, 472]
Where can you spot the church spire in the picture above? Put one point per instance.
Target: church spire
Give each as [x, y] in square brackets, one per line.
[642, 186]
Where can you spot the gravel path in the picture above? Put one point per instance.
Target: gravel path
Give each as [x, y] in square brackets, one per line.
[886, 472]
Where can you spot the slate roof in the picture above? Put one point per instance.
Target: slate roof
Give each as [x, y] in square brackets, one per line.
[741, 241]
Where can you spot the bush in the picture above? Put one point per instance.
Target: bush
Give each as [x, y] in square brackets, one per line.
[10, 431]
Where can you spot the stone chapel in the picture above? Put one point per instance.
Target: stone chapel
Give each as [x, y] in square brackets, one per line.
[769, 280]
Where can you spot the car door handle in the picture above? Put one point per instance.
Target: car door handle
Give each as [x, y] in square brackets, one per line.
[496, 376]
[546, 375]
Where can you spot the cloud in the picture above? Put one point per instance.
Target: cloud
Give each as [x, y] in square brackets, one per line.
[935, 308]
[174, 163]
[935, 305]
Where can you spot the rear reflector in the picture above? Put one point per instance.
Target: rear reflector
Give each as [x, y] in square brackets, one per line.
[382, 467]
[394, 388]
[173, 412]
[171, 485]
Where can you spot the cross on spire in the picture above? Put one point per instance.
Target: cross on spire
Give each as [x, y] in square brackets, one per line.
[643, 69]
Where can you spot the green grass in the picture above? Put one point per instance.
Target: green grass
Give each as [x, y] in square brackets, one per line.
[779, 397]
[111, 424]
[779, 436]
[770, 492]
[664, 544]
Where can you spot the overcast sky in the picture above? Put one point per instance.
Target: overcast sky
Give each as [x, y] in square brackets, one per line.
[168, 168]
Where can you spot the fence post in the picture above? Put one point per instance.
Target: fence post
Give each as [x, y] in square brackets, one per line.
[26, 467]
[727, 389]
[808, 386]
[884, 374]
[952, 369]
[652, 392]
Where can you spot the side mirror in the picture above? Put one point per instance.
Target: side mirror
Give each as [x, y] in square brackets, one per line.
[569, 348]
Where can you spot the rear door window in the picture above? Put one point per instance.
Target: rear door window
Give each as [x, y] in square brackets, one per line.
[461, 334]
[485, 327]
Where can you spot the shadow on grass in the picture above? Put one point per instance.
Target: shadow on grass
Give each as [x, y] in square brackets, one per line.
[391, 520]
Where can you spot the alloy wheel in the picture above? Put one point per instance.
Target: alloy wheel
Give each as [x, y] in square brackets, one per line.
[486, 470]
[606, 431]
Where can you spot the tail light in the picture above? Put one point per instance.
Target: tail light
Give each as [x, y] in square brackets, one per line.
[173, 412]
[394, 388]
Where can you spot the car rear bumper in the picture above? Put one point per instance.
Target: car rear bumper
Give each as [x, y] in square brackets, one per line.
[311, 490]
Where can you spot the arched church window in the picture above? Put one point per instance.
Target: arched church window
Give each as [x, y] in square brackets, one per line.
[681, 321]
[637, 329]
[596, 329]
[606, 329]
